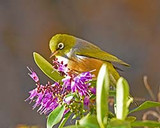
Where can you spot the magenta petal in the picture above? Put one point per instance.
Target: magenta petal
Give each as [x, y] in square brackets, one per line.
[93, 90]
[44, 100]
[33, 93]
[86, 101]
[33, 75]
[66, 111]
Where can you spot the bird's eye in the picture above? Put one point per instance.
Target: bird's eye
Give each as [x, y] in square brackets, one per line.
[60, 46]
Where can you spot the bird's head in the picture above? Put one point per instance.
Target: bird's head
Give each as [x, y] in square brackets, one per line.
[61, 44]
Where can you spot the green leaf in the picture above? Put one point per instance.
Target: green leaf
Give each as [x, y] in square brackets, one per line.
[74, 126]
[116, 123]
[75, 116]
[64, 120]
[122, 94]
[102, 92]
[46, 67]
[147, 123]
[89, 121]
[110, 115]
[112, 93]
[55, 116]
[93, 83]
[146, 105]
[130, 118]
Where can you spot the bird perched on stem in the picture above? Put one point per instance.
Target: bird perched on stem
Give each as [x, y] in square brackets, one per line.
[82, 56]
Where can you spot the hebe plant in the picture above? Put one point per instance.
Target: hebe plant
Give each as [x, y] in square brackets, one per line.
[79, 97]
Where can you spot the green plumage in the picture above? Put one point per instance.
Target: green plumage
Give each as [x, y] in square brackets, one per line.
[87, 49]
[74, 49]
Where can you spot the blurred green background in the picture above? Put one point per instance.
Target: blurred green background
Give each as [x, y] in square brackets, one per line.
[129, 29]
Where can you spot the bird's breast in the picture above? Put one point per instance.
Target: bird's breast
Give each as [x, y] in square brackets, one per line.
[82, 64]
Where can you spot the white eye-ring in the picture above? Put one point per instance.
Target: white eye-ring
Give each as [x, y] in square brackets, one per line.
[60, 46]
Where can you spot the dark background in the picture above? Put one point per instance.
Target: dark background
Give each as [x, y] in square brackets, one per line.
[129, 29]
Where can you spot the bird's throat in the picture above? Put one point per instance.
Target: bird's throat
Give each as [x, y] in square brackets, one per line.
[65, 58]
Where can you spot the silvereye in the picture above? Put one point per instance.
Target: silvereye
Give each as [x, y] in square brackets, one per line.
[82, 56]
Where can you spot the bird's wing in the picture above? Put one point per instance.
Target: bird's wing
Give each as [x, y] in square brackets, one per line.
[84, 48]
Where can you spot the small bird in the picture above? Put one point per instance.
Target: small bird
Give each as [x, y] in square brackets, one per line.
[82, 56]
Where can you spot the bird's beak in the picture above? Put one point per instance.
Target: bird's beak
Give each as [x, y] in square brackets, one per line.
[53, 53]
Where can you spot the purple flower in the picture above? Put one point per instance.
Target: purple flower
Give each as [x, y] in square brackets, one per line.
[43, 99]
[67, 83]
[73, 82]
[79, 83]
[86, 100]
[68, 99]
[66, 111]
[33, 75]
[60, 66]
[93, 90]
[48, 97]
